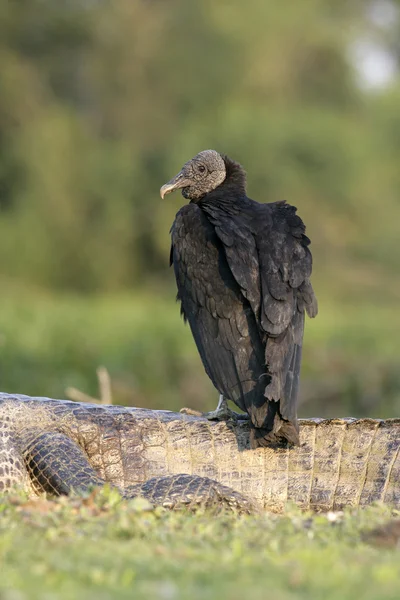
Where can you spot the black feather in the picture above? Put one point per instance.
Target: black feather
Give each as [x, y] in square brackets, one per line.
[242, 271]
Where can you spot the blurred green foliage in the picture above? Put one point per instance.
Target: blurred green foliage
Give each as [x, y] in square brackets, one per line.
[101, 102]
[49, 343]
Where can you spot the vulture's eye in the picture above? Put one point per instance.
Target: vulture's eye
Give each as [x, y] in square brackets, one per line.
[201, 168]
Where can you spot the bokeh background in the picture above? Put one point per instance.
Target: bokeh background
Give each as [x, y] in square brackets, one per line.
[102, 102]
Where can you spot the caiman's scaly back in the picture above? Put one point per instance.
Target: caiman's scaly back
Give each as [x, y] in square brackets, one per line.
[175, 459]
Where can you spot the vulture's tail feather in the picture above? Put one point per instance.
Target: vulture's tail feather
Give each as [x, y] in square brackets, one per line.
[275, 420]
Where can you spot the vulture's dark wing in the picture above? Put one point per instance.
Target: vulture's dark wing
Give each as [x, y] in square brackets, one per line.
[221, 319]
[267, 252]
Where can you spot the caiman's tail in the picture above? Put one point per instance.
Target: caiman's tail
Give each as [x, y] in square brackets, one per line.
[275, 419]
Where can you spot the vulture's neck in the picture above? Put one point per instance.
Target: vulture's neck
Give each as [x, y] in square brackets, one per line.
[235, 179]
[232, 189]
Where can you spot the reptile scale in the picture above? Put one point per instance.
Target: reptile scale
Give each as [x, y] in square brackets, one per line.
[177, 460]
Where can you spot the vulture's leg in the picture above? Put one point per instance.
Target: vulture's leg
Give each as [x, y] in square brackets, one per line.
[221, 413]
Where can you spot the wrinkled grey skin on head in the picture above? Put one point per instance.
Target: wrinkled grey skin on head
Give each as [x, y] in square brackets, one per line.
[198, 176]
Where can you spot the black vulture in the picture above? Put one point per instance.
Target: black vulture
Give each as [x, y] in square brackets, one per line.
[243, 274]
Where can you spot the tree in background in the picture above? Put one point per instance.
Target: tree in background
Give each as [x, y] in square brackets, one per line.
[101, 101]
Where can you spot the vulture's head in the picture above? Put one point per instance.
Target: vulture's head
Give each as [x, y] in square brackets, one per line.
[201, 175]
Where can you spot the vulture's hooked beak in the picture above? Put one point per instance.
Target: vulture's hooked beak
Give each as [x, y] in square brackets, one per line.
[176, 183]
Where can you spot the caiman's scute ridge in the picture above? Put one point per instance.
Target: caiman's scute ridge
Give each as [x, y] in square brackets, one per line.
[174, 459]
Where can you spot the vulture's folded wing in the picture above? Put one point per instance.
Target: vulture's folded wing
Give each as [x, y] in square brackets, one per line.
[267, 251]
[221, 320]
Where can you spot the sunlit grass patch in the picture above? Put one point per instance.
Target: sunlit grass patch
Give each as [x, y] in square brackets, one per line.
[100, 547]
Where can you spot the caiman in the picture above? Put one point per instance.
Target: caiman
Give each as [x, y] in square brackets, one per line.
[176, 460]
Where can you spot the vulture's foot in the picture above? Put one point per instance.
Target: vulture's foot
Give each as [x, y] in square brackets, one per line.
[221, 413]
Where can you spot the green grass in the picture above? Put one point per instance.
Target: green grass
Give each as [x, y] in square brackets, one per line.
[103, 548]
[50, 342]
